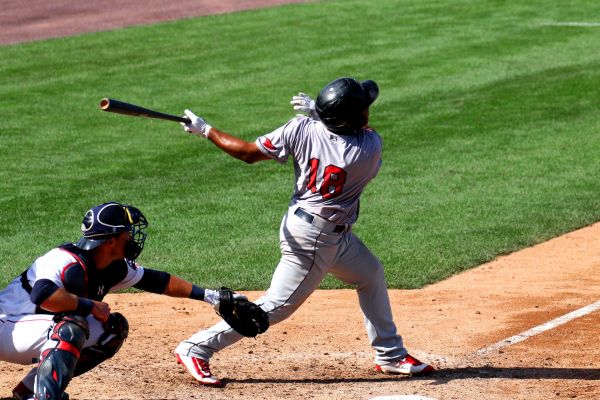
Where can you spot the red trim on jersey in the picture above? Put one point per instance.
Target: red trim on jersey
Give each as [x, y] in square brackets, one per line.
[62, 274]
[65, 268]
[49, 319]
[268, 145]
[76, 257]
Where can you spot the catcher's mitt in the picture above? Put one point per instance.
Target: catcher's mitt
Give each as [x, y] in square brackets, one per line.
[245, 317]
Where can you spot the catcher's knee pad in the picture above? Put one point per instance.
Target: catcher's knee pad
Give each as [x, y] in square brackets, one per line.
[116, 330]
[57, 364]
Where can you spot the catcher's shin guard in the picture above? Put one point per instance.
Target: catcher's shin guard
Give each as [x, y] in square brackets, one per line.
[57, 364]
[116, 330]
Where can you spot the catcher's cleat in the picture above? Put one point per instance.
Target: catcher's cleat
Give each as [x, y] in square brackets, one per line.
[22, 392]
[199, 369]
[405, 366]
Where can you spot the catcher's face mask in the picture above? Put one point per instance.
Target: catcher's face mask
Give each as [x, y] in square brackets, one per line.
[138, 225]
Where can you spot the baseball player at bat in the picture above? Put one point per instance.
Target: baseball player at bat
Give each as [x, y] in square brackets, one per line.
[53, 314]
[335, 154]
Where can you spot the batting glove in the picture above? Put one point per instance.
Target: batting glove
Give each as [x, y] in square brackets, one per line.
[213, 297]
[197, 125]
[305, 104]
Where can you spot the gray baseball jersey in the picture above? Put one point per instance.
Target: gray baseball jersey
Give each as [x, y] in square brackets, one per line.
[331, 170]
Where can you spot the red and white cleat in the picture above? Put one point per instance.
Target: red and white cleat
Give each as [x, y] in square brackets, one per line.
[405, 366]
[199, 369]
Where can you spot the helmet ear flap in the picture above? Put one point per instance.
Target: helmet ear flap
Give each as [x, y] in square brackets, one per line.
[371, 90]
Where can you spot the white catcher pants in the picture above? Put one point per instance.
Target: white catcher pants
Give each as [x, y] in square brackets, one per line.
[308, 253]
[23, 339]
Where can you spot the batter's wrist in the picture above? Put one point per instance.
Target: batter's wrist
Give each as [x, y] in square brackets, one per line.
[207, 129]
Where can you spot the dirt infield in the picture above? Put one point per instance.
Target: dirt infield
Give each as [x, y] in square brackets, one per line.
[322, 350]
[24, 21]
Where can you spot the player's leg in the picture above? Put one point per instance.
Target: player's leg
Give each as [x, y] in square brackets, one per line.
[24, 389]
[59, 356]
[356, 265]
[21, 341]
[104, 342]
[22, 337]
[290, 287]
[298, 274]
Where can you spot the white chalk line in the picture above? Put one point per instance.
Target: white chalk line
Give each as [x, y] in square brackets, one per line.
[450, 360]
[579, 24]
[540, 328]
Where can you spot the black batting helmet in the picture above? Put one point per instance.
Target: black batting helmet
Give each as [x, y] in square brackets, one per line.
[341, 103]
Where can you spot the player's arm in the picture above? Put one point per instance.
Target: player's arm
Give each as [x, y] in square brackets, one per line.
[48, 296]
[235, 147]
[232, 145]
[171, 285]
[178, 287]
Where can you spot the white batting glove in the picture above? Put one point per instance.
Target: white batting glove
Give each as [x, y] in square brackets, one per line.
[197, 126]
[303, 103]
[213, 297]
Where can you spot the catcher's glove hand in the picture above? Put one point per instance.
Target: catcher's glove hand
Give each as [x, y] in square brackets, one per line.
[245, 317]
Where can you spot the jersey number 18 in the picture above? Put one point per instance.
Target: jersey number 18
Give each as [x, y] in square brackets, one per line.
[333, 179]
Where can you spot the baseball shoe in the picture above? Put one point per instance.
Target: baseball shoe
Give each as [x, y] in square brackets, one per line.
[405, 366]
[22, 392]
[199, 369]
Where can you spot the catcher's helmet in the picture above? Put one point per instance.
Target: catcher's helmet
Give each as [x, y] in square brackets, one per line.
[341, 104]
[102, 222]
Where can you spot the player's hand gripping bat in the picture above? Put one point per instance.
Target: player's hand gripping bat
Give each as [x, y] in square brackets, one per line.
[120, 107]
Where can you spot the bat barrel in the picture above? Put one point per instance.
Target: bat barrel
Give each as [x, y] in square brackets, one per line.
[121, 107]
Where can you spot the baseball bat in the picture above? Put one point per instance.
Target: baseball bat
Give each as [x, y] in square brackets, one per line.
[121, 107]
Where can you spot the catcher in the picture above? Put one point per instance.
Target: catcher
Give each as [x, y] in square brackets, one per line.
[53, 314]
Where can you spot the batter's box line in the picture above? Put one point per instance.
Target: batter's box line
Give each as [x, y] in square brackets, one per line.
[539, 329]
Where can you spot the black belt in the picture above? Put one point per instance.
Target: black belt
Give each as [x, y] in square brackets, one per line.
[308, 217]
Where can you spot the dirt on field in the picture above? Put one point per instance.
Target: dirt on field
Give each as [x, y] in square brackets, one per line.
[24, 21]
[322, 350]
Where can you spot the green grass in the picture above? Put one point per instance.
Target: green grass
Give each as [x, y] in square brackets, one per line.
[487, 110]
